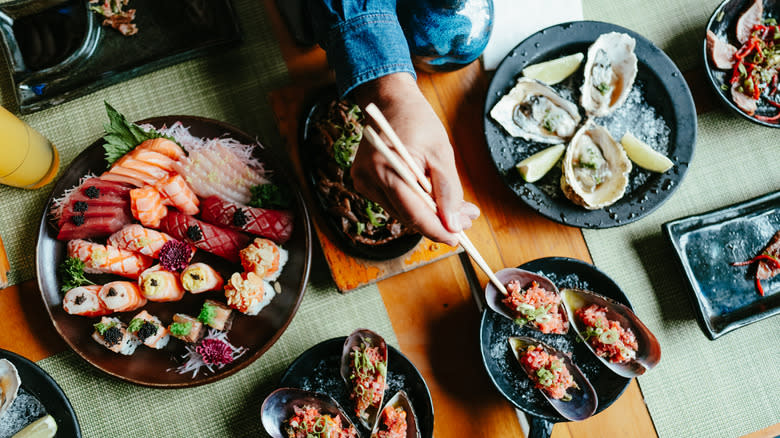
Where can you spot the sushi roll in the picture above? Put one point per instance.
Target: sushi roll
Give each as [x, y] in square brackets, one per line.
[112, 334]
[248, 293]
[264, 258]
[149, 329]
[186, 328]
[216, 315]
[200, 277]
[84, 301]
[157, 284]
[121, 296]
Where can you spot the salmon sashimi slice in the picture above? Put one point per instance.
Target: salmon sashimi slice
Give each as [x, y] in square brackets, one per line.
[113, 177]
[179, 193]
[276, 225]
[122, 296]
[84, 301]
[153, 171]
[108, 259]
[222, 242]
[153, 158]
[92, 227]
[132, 173]
[157, 284]
[148, 206]
[138, 239]
[163, 146]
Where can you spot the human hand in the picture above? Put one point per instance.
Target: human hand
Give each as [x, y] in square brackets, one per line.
[421, 131]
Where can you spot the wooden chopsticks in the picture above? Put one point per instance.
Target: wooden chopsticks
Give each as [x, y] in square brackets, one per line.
[402, 162]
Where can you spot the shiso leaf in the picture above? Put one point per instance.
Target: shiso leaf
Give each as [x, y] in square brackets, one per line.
[122, 136]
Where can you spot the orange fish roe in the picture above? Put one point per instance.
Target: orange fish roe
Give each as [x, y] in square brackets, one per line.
[607, 337]
[307, 422]
[548, 372]
[536, 306]
[392, 423]
[368, 371]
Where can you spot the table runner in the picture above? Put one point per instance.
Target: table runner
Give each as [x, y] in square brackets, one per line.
[701, 388]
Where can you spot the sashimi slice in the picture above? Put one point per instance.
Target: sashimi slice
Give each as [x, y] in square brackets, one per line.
[154, 158]
[109, 200]
[132, 173]
[163, 146]
[92, 228]
[276, 225]
[179, 193]
[147, 206]
[142, 167]
[106, 187]
[113, 177]
[222, 242]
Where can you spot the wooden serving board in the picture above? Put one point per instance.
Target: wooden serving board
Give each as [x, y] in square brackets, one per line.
[348, 272]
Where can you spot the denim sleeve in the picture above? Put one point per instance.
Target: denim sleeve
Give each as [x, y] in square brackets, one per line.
[363, 39]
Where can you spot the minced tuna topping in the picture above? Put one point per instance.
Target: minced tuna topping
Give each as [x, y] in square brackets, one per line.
[607, 337]
[536, 306]
[548, 372]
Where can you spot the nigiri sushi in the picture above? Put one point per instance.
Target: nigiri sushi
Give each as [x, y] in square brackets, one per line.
[112, 334]
[248, 293]
[276, 225]
[222, 242]
[121, 296]
[200, 277]
[179, 194]
[84, 301]
[186, 328]
[263, 258]
[157, 284]
[138, 239]
[216, 315]
[148, 206]
[149, 329]
[108, 259]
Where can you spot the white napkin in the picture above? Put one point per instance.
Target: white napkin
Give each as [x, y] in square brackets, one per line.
[516, 20]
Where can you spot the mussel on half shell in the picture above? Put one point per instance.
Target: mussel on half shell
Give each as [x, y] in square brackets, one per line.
[494, 297]
[358, 342]
[400, 401]
[609, 73]
[583, 401]
[280, 406]
[648, 353]
[9, 384]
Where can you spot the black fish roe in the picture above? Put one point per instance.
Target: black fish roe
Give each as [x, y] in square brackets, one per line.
[239, 217]
[153, 282]
[111, 292]
[77, 220]
[147, 329]
[80, 206]
[194, 233]
[92, 192]
[79, 300]
[112, 336]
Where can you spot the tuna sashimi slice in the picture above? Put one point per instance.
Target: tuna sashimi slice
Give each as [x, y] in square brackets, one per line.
[92, 227]
[106, 187]
[276, 225]
[222, 242]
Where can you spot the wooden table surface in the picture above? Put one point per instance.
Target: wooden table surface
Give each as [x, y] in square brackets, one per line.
[432, 310]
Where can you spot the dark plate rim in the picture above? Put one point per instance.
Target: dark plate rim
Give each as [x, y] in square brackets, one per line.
[53, 389]
[673, 234]
[684, 139]
[534, 265]
[338, 342]
[245, 360]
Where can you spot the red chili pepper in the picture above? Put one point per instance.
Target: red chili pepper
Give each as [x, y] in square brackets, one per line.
[758, 258]
[756, 90]
[773, 103]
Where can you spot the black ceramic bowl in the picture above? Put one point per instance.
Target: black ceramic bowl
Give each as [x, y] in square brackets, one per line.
[723, 23]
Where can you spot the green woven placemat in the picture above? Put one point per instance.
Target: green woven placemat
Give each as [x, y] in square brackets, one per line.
[231, 85]
[107, 407]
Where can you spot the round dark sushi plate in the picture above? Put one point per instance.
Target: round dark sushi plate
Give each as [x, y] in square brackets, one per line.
[150, 367]
[663, 88]
[504, 369]
[318, 369]
[312, 160]
[723, 23]
[39, 384]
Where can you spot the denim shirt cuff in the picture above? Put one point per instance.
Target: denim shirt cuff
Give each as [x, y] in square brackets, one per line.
[367, 47]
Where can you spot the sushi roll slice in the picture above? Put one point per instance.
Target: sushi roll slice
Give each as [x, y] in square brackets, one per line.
[248, 293]
[216, 315]
[84, 301]
[264, 258]
[186, 328]
[200, 277]
[121, 296]
[149, 329]
[157, 284]
[112, 334]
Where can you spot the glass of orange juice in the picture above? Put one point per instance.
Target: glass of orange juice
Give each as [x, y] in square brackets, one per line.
[27, 159]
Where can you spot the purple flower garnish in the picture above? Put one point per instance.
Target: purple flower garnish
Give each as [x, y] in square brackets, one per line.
[175, 255]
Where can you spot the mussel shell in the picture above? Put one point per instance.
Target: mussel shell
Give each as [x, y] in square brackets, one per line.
[278, 408]
[493, 296]
[584, 400]
[9, 384]
[400, 399]
[649, 352]
[354, 340]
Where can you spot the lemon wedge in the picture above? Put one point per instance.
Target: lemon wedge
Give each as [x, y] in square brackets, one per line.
[554, 71]
[644, 156]
[533, 168]
[44, 427]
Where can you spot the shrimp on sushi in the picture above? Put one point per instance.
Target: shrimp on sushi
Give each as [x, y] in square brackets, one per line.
[157, 284]
[84, 301]
[248, 293]
[112, 334]
[200, 277]
[121, 296]
[148, 206]
[186, 328]
[149, 329]
[108, 259]
[179, 193]
[216, 315]
[264, 258]
[138, 239]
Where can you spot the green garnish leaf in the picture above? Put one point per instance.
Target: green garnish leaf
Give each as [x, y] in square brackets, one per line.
[102, 327]
[345, 147]
[180, 328]
[135, 325]
[603, 88]
[545, 376]
[122, 136]
[207, 314]
[360, 228]
[270, 196]
[376, 214]
[72, 274]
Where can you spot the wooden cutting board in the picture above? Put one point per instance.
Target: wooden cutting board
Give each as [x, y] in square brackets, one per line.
[348, 272]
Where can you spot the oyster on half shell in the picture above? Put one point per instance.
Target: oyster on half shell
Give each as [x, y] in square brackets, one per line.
[609, 73]
[595, 168]
[535, 112]
[9, 384]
